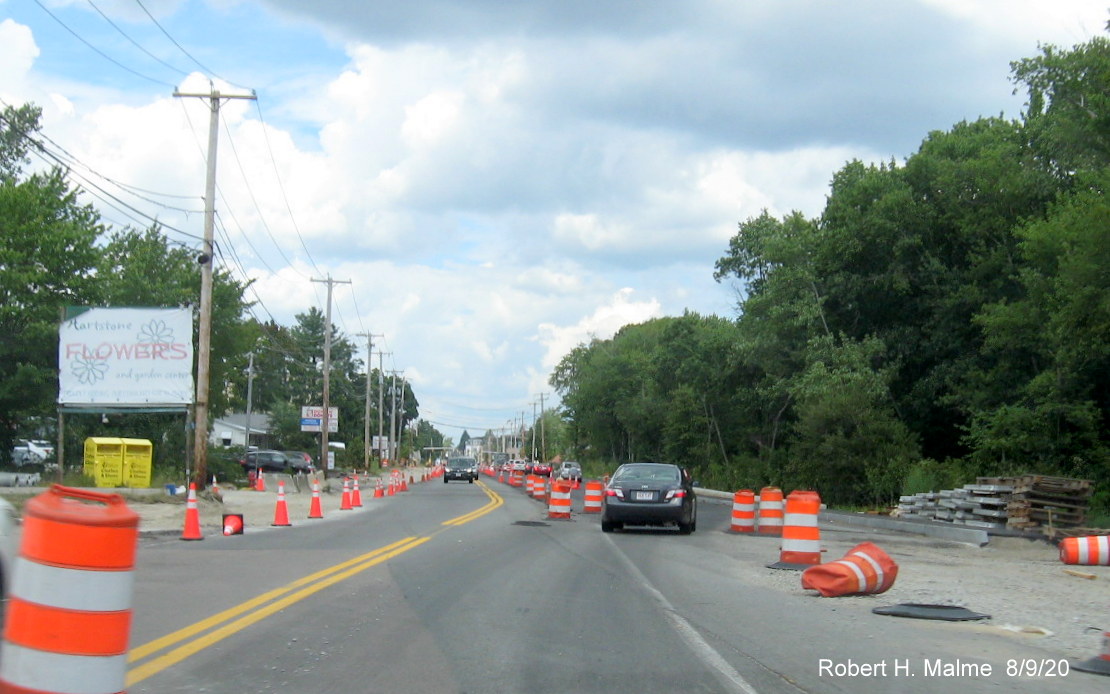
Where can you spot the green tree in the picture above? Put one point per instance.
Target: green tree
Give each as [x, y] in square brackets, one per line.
[47, 262]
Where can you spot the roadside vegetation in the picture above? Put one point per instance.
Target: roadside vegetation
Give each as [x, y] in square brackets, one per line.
[943, 318]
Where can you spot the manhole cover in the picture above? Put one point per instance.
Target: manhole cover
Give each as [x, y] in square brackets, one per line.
[532, 524]
[948, 613]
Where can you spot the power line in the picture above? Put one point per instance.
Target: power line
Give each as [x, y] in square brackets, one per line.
[98, 51]
[181, 48]
[134, 42]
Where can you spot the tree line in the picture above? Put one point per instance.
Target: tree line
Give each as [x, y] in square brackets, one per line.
[941, 319]
[55, 251]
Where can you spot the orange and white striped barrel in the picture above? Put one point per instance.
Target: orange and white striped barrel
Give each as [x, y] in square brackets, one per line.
[529, 484]
[1091, 550]
[592, 503]
[539, 488]
[770, 511]
[865, 569]
[559, 505]
[743, 512]
[69, 612]
[801, 538]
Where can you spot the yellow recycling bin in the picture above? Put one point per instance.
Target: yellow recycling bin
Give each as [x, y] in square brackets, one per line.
[137, 456]
[104, 460]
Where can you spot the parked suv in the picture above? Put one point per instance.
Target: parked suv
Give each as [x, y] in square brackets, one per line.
[461, 469]
[301, 461]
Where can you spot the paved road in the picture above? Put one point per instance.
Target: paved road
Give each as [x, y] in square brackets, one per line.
[470, 588]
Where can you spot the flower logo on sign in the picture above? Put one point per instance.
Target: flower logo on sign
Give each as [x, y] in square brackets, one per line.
[89, 370]
[155, 333]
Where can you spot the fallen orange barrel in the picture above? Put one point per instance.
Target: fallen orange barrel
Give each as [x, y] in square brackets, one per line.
[801, 538]
[592, 503]
[865, 569]
[770, 511]
[68, 618]
[1091, 550]
[743, 512]
[559, 505]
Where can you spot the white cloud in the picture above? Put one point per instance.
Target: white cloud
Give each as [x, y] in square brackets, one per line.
[603, 323]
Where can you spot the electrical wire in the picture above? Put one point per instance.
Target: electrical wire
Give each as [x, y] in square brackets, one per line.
[181, 48]
[100, 52]
[134, 42]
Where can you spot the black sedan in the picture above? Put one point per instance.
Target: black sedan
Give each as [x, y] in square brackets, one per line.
[649, 494]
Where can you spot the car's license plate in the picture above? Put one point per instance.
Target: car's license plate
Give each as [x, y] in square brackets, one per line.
[643, 496]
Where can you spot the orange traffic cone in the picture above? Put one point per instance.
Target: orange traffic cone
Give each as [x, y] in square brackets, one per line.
[281, 511]
[233, 524]
[315, 510]
[260, 481]
[1100, 664]
[378, 491]
[404, 484]
[192, 516]
[356, 495]
[345, 503]
[215, 488]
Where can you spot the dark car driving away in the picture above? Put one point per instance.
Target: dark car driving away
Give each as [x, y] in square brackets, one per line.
[461, 469]
[649, 494]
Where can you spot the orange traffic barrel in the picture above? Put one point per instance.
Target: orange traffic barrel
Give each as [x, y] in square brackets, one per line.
[69, 612]
[1091, 550]
[592, 503]
[801, 538]
[770, 511]
[865, 569]
[743, 512]
[539, 488]
[559, 505]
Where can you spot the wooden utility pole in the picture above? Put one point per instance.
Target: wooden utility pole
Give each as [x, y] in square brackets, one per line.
[381, 405]
[204, 338]
[325, 424]
[250, 399]
[366, 417]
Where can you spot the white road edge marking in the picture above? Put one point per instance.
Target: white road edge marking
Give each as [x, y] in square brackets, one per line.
[686, 631]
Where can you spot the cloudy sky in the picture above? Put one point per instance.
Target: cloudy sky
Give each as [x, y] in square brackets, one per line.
[500, 180]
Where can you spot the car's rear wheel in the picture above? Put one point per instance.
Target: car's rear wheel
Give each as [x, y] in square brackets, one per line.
[606, 527]
[445, 480]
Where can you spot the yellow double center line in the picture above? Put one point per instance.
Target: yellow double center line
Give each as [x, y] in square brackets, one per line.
[241, 616]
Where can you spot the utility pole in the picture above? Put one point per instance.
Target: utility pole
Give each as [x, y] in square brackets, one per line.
[250, 398]
[204, 339]
[533, 430]
[381, 406]
[543, 432]
[366, 418]
[325, 425]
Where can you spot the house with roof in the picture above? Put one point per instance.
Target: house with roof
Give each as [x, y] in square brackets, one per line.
[231, 430]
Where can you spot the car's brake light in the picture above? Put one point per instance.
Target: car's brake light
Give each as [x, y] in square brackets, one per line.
[675, 494]
[615, 492]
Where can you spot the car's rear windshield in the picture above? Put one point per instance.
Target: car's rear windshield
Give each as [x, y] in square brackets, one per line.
[647, 472]
[460, 462]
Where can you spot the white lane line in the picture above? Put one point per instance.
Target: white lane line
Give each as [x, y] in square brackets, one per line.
[706, 653]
